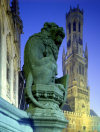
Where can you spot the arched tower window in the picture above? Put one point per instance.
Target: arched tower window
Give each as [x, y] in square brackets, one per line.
[69, 28]
[79, 27]
[74, 26]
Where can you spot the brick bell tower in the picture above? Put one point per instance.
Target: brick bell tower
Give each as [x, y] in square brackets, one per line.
[75, 63]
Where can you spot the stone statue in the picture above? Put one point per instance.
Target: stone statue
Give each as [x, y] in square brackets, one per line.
[40, 56]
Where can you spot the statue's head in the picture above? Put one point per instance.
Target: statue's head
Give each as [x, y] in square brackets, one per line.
[56, 32]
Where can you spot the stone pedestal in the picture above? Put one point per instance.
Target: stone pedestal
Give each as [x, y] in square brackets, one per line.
[50, 119]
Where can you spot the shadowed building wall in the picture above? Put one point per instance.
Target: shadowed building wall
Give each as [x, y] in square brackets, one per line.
[10, 31]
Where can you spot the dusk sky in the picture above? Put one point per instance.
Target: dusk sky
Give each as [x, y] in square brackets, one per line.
[34, 13]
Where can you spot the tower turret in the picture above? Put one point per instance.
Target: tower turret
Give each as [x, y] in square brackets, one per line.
[74, 26]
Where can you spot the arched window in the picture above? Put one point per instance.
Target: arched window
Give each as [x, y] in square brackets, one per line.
[74, 26]
[79, 27]
[69, 28]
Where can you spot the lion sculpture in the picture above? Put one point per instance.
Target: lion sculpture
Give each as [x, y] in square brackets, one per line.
[40, 56]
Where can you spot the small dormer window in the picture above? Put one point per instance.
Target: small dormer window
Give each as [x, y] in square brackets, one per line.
[74, 26]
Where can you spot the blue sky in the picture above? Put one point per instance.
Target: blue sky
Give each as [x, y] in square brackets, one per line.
[35, 13]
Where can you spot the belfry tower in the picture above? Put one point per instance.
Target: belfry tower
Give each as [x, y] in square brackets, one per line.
[75, 63]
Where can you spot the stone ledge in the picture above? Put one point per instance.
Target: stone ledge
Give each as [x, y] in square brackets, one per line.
[13, 120]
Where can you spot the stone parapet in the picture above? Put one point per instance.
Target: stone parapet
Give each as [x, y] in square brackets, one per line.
[13, 119]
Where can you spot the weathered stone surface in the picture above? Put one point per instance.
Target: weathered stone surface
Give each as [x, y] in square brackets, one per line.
[9, 52]
[13, 119]
[48, 120]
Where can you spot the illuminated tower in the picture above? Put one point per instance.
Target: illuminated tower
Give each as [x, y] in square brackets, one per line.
[75, 63]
